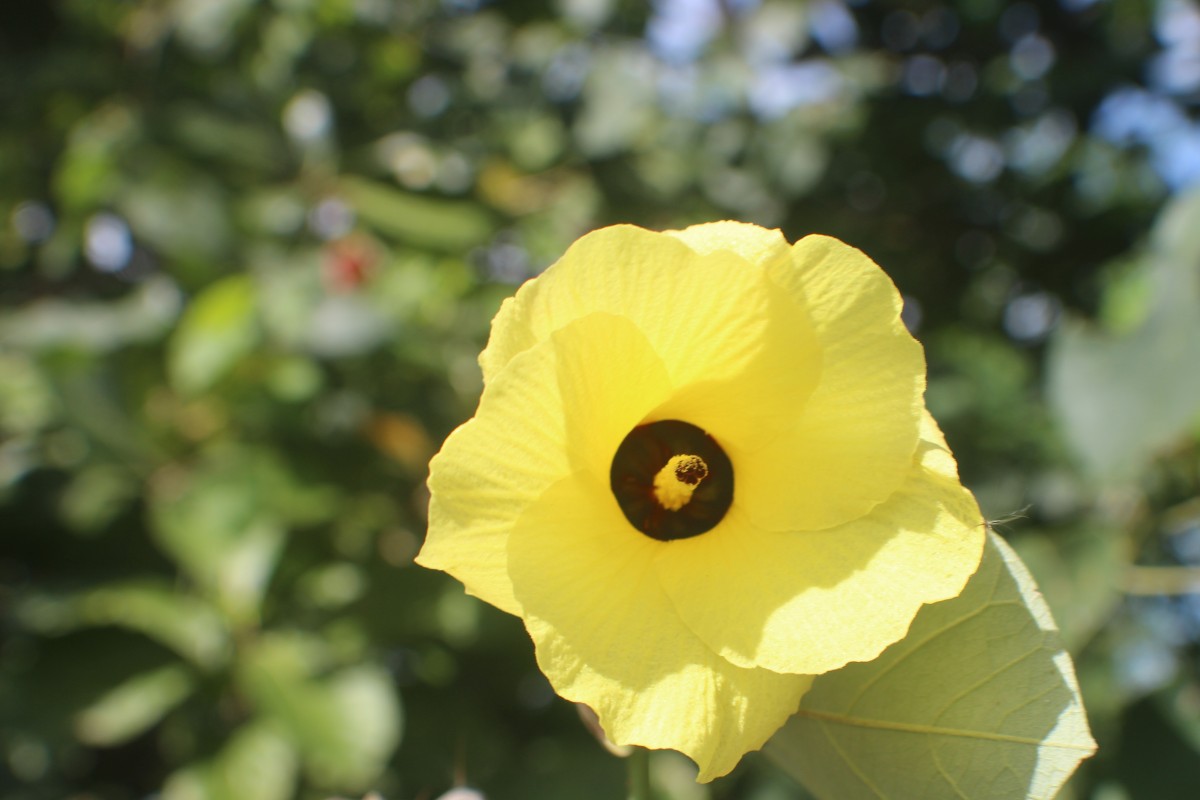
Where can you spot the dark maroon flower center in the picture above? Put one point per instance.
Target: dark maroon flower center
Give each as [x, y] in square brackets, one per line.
[672, 480]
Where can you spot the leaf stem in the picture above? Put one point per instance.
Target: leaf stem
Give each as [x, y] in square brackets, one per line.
[1162, 580]
[638, 764]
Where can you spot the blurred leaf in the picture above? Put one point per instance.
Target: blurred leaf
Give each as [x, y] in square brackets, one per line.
[98, 405]
[346, 723]
[209, 133]
[86, 173]
[978, 700]
[620, 102]
[216, 531]
[985, 384]
[346, 325]
[218, 329]
[800, 159]
[186, 624]
[143, 315]
[174, 192]
[224, 523]
[1181, 708]
[257, 762]
[415, 219]
[362, 720]
[26, 401]
[96, 495]
[332, 585]
[206, 25]
[46, 687]
[292, 279]
[295, 379]
[1157, 761]
[1121, 399]
[271, 209]
[535, 140]
[421, 290]
[1127, 296]
[127, 710]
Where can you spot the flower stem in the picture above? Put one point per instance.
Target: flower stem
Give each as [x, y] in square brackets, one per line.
[639, 774]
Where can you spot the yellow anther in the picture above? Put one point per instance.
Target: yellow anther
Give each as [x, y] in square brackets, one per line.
[675, 482]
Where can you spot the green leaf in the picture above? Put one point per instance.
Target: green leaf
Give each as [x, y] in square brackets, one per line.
[215, 530]
[257, 762]
[345, 723]
[96, 495]
[135, 705]
[619, 106]
[1080, 570]
[145, 314]
[172, 192]
[225, 522]
[411, 218]
[217, 330]
[27, 401]
[206, 25]
[212, 134]
[185, 624]
[1122, 398]
[87, 171]
[978, 701]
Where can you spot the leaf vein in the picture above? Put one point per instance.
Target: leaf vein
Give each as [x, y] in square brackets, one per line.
[955, 699]
[941, 768]
[851, 763]
[932, 730]
[914, 648]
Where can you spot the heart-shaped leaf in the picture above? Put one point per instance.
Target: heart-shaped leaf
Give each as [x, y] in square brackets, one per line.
[979, 700]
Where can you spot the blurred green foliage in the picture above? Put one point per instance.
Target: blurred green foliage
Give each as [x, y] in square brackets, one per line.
[249, 252]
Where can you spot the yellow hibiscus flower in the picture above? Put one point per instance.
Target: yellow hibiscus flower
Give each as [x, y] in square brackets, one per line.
[702, 472]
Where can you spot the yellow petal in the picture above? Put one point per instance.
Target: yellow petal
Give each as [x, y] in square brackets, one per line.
[607, 635]
[812, 601]
[756, 245]
[752, 408]
[684, 303]
[740, 350]
[562, 406]
[854, 438]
